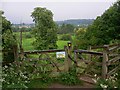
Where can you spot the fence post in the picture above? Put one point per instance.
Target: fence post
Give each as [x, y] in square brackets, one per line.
[15, 50]
[104, 63]
[69, 54]
[75, 55]
[66, 66]
[21, 53]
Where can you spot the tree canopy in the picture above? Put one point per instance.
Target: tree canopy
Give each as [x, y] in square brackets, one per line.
[66, 28]
[104, 30]
[45, 30]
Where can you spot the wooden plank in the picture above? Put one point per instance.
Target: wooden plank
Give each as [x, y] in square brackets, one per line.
[112, 71]
[104, 64]
[92, 62]
[66, 66]
[114, 48]
[113, 60]
[75, 58]
[43, 51]
[69, 48]
[88, 52]
[114, 45]
[115, 54]
[98, 47]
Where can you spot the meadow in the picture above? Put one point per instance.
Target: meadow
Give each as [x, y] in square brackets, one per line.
[27, 40]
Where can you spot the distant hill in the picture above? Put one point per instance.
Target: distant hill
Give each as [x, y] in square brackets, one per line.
[79, 22]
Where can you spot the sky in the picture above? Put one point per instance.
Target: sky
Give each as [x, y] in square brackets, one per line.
[20, 11]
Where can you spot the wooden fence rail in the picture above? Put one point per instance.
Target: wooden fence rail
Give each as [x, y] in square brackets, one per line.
[42, 51]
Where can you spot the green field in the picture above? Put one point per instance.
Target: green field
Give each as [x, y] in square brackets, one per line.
[27, 42]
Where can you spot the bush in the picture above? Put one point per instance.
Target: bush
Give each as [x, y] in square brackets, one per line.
[69, 78]
[25, 75]
[66, 37]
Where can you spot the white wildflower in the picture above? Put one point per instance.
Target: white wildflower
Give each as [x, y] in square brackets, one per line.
[26, 81]
[98, 78]
[103, 86]
[116, 74]
[94, 80]
[106, 79]
[95, 75]
[6, 66]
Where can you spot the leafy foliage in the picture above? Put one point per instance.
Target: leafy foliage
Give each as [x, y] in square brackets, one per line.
[110, 83]
[66, 37]
[80, 40]
[106, 27]
[8, 40]
[45, 31]
[23, 74]
[104, 30]
[69, 78]
[66, 28]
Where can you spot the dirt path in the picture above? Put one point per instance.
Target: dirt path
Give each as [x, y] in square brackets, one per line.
[85, 85]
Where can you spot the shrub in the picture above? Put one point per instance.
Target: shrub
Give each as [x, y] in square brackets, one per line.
[23, 74]
[69, 78]
[66, 37]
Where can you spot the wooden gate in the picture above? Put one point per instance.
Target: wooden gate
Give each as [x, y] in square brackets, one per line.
[101, 60]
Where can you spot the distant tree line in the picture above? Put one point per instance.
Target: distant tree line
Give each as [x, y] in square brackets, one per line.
[76, 22]
[66, 28]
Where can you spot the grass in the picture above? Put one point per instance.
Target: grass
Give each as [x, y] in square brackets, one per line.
[61, 44]
[27, 42]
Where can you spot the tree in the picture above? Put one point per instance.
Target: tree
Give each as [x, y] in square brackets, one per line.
[66, 28]
[80, 40]
[45, 30]
[8, 40]
[105, 29]
[66, 37]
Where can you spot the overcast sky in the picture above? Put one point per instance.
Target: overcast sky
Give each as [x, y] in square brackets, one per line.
[18, 12]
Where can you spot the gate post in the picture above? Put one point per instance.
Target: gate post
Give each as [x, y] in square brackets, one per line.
[66, 66]
[104, 63]
[69, 54]
[15, 50]
[75, 55]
